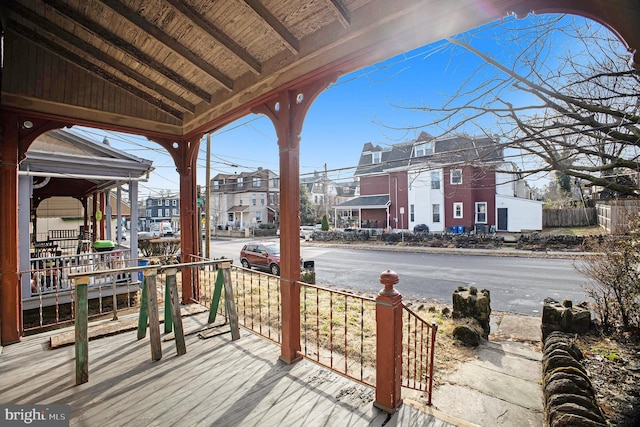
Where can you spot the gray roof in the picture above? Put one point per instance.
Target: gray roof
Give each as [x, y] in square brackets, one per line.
[367, 202]
[446, 151]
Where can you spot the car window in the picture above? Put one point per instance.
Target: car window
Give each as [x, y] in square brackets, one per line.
[273, 249]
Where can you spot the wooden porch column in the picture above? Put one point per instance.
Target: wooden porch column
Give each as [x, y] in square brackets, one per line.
[388, 345]
[185, 157]
[10, 298]
[17, 133]
[287, 112]
[188, 229]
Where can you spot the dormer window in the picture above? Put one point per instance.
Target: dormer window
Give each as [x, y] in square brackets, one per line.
[423, 149]
[376, 157]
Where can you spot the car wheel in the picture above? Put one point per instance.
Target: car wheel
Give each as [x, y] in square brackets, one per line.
[245, 263]
[275, 269]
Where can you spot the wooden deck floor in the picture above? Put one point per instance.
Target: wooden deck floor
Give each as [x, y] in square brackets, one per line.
[218, 382]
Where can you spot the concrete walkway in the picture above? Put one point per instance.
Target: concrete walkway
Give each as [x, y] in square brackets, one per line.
[501, 387]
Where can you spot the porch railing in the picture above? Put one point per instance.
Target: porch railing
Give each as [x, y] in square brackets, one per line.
[338, 329]
[48, 288]
[418, 352]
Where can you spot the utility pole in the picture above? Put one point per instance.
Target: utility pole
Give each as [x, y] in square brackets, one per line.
[324, 191]
[207, 207]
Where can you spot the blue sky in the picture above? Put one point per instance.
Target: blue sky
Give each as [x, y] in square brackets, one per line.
[355, 110]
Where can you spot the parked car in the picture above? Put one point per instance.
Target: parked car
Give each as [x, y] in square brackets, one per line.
[421, 228]
[306, 231]
[264, 256]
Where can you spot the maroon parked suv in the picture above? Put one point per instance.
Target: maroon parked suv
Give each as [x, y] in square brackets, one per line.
[265, 256]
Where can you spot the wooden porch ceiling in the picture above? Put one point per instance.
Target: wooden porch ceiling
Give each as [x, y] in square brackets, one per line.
[176, 69]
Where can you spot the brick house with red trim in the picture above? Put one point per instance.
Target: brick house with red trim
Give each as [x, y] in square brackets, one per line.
[444, 183]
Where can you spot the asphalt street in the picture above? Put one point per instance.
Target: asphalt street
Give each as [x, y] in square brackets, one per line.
[517, 284]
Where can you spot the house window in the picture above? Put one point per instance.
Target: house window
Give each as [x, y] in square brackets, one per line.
[159, 202]
[423, 149]
[435, 212]
[230, 217]
[435, 180]
[457, 210]
[216, 185]
[376, 157]
[258, 216]
[240, 202]
[240, 182]
[276, 182]
[216, 200]
[456, 176]
[272, 199]
[174, 203]
[174, 211]
[166, 202]
[262, 199]
[253, 199]
[315, 199]
[257, 182]
[149, 202]
[481, 213]
[148, 212]
[167, 212]
[412, 209]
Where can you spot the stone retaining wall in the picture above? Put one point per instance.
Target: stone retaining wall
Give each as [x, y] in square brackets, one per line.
[569, 397]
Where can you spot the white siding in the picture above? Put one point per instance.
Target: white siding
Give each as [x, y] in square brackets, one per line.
[522, 214]
[423, 197]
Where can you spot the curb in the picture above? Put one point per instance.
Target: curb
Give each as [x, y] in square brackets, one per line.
[508, 252]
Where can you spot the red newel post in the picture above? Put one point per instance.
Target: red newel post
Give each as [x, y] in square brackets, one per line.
[388, 344]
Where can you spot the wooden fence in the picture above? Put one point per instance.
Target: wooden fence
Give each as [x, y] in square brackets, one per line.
[577, 217]
[613, 215]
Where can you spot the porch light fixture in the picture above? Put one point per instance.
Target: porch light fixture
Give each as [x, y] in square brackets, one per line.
[27, 124]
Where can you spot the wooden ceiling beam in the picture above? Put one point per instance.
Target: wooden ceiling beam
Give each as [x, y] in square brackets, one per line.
[283, 33]
[341, 12]
[93, 52]
[126, 47]
[48, 44]
[168, 41]
[217, 34]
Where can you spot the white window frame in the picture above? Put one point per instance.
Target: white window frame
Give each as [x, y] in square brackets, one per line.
[376, 157]
[457, 205]
[216, 185]
[423, 149]
[257, 182]
[435, 183]
[174, 202]
[478, 213]
[435, 213]
[451, 175]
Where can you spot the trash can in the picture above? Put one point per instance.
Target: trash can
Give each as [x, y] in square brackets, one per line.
[142, 263]
[104, 245]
